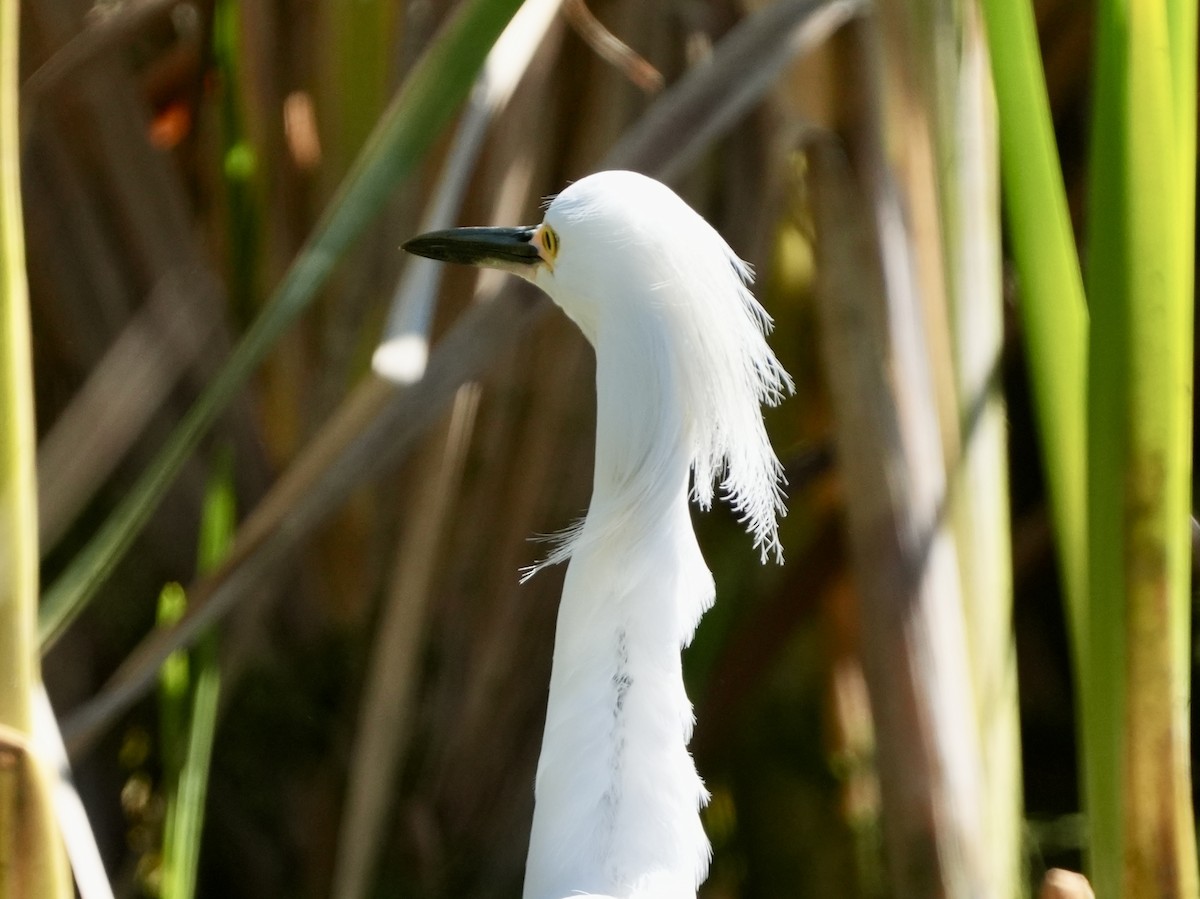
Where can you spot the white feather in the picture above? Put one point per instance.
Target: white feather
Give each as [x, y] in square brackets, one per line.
[682, 369]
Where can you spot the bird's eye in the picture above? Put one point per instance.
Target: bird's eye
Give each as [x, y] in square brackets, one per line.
[549, 241]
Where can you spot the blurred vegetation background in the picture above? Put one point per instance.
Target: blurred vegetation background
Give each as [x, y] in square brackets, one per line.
[368, 671]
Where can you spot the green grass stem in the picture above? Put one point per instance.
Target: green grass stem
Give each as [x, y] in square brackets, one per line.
[32, 861]
[18, 487]
[1116, 433]
[240, 157]
[1052, 306]
[189, 692]
[1134, 681]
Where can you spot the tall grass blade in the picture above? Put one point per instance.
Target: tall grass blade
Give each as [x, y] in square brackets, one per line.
[188, 702]
[32, 860]
[970, 210]
[174, 683]
[1139, 278]
[1182, 37]
[906, 567]
[240, 161]
[412, 121]
[1052, 306]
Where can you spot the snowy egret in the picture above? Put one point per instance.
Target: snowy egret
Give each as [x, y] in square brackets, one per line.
[682, 369]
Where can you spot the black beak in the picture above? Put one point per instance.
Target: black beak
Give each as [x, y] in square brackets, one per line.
[511, 249]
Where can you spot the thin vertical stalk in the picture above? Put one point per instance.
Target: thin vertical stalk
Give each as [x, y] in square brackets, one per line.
[914, 643]
[187, 817]
[241, 163]
[32, 860]
[189, 690]
[940, 117]
[1139, 467]
[970, 208]
[929, 173]
[1055, 325]
[941, 114]
[1182, 36]
[18, 509]
[946, 124]
[1053, 310]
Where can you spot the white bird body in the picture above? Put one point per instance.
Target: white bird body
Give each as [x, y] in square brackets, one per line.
[682, 368]
[618, 797]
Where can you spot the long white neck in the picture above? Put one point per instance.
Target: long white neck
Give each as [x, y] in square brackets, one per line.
[617, 795]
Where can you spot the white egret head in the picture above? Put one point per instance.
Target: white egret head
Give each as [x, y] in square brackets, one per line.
[633, 265]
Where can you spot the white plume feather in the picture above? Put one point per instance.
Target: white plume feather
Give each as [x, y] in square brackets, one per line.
[664, 270]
